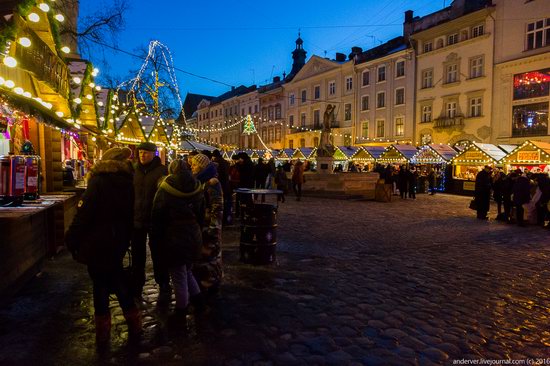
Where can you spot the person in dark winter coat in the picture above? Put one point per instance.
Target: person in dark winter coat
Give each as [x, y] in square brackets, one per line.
[100, 234]
[507, 190]
[483, 192]
[281, 182]
[261, 171]
[176, 231]
[412, 179]
[543, 182]
[223, 177]
[298, 179]
[498, 196]
[148, 172]
[402, 182]
[208, 270]
[522, 195]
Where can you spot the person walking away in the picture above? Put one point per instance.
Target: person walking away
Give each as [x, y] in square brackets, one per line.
[176, 232]
[431, 180]
[402, 182]
[148, 172]
[412, 178]
[483, 192]
[261, 171]
[543, 182]
[208, 270]
[298, 179]
[272, 170]
[281, 181]
[522, 195]
[507, 190]
[99, 237]
[223, 177]
[498, 194]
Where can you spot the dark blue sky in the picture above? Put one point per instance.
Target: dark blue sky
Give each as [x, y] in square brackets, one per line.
[248, 42]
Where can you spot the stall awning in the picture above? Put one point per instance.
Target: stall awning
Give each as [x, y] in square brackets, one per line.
[398, 153]
[480, 154]
[190, 145]
[530, 152]
[303, 153]
[433, 154]
[375, 151]
[345, 152]
[285, 154]
[362, 155]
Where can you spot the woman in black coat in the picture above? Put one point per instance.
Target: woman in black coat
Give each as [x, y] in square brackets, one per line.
[100, 234]
[178, 210]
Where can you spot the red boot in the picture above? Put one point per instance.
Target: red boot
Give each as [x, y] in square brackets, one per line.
[102, 329]
[133, 319]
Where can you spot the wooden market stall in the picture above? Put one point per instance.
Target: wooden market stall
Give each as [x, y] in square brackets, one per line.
[397, 155]
[342, 157]
[470, 161]
[436, 158]
[366, 156]
[533, 156]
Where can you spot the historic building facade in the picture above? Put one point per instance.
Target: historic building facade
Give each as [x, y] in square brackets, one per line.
[454, 73]
[522, 71]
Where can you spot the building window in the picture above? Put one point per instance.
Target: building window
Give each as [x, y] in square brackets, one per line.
[428, 47]
[347, 112]
[316, 118]
[426, 113]
[349, 83]
[381, 100]
[365, 103]
[400, 126]
[440, 43]
[427, 78]
[264, 134]
[400, 69]
[304, 96]
[278, 134]
[380, 128]
[270, 135]
[317, 92]
[270, 113]
[365, 76]
[332, 88]
[291, 99]
[530, 120]
[452, 39]
[291, 121]
[291, 144]
[478, 30]
[476, 67]
[450, 109]
[399, 96]
[278, 111]
[365, 130]
[381, 73]
[303, 120]
[451, 73]
[249, 109]
[302, 142]
[532, 84]
[538, 34]
[256, 108]
[475, 107]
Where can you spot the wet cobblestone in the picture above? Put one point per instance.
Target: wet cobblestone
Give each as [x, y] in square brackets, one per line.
[357, 283]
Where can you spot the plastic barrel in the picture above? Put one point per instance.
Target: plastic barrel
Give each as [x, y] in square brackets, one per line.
[259, 234]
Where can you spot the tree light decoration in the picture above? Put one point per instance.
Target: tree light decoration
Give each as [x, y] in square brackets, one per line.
[27, 94]
[44, 7]
[10, 61]
[76, 80]
[77, 100]
[9, 84]
[24, 41]
[59, 17]
[2, 80]
[33, 17]
[18, 90]
[65, 49]
[59, 114]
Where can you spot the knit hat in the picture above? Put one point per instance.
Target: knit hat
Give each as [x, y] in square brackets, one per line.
[148, 146]
[201, 160]
[117, 153]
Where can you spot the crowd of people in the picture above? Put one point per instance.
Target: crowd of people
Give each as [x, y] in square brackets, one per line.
[178, 211]
[405, 180]
[521, 196]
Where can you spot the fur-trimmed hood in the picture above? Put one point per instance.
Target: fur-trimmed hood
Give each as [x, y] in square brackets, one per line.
[111, 166]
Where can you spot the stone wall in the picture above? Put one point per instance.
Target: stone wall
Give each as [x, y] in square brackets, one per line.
[341, 184]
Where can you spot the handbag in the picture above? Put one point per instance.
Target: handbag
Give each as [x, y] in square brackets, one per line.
[473, 204]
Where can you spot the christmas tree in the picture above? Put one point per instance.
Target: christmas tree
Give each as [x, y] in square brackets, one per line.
[249, 127]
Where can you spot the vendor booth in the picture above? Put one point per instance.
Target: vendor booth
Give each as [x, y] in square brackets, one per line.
[342, 157]
[397, 155]
[533, 156]
[470, 161]
[366, 157]
[436, 158]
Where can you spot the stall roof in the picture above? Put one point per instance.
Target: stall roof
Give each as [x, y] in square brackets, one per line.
[493, 151]
[544, 147]
[190, 145]
[303, 152]
[285, 154]
[444, 150]
[374, 151]
[508, 148]
[362, 154]
[408, 151]
[348, 151]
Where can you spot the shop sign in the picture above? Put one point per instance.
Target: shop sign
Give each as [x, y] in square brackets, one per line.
[473, 155]
[528, 156]
[469, 186]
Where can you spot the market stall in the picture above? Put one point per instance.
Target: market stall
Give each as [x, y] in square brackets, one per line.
[436, 158]
[470, 161]
[342, 157]
[533, 156]
[365, 157]
[397, 155]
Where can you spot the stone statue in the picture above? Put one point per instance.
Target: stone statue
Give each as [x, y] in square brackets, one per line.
[326, 148]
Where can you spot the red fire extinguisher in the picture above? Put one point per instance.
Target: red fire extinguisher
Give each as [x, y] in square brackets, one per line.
[32, 177]
[13, 180]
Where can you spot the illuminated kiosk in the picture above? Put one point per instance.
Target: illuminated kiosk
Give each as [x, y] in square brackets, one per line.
[397, 155]
[436, 157]
[533, 156]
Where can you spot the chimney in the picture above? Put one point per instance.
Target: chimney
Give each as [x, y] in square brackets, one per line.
[276, 79]
[354, 51]
[340, 57]
[408, 16]
[408, 25]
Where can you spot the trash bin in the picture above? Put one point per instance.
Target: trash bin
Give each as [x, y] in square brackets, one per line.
[259, 234]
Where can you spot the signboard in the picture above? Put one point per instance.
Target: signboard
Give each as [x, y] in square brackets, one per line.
[469, 186]
[528, 156]
[473, 155]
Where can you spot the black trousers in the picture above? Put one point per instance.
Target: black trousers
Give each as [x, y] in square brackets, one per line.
[519, 214]
[297, 188]
[106, 282]
[139, 257]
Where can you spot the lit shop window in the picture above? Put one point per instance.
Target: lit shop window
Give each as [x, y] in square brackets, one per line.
[532, 84]
[530, 120]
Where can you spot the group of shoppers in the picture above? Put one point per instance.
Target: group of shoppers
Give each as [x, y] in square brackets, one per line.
[520, 196]
[177, 211]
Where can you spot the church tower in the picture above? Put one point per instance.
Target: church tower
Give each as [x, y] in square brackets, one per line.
[298, 57]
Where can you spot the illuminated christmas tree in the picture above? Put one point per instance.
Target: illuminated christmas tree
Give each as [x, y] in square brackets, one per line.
[249, 127]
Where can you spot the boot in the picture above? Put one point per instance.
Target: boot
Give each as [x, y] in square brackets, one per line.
[102, 329]
[133, 319]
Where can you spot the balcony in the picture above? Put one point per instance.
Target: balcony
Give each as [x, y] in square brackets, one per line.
[442, 123]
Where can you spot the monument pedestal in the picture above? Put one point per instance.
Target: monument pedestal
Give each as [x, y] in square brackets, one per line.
[324, 164]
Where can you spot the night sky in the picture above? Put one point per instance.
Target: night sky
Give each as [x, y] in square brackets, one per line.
[249, 42]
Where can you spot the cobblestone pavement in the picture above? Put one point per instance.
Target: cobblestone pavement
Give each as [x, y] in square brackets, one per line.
[357, 282]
